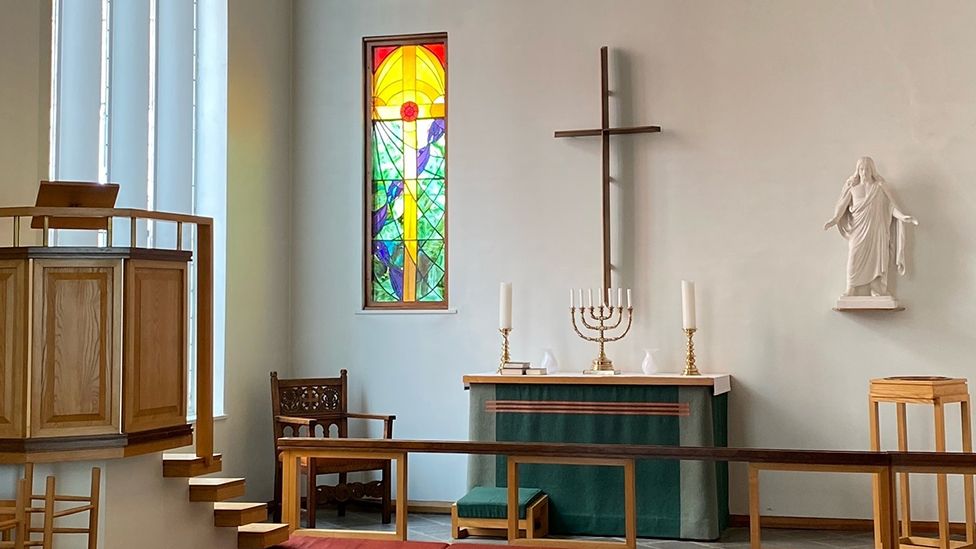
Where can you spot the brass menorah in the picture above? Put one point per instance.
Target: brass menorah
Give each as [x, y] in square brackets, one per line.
[604, 318]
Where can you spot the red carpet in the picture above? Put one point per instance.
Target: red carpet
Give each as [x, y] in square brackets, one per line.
[312, 542]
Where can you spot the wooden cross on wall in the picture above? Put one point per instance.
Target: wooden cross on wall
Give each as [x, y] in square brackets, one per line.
[605, 131]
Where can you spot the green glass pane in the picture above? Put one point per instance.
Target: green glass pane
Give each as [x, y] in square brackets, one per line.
[387, 270]
[424, 266]
[436, 220]
[392, 230]
[435, 284]
[382, 289]
[430, 270]
[435, 250]
[436, 294]
[387, 149]
[431, 193]
[425, 230]
[431, 207]
[379, 195]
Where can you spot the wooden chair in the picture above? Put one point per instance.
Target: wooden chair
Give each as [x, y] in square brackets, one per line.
[16, 519]
[50, 498]
[13, 518]
[316, 404]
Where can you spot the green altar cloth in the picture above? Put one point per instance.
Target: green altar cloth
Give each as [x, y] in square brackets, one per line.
[685, 500]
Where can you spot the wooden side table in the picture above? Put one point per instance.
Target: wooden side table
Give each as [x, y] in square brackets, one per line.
[935, 391]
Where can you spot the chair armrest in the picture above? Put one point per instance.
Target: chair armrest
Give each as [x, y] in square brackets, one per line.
[387, 422]
[372, 416]
[296, 422]
[291, 420]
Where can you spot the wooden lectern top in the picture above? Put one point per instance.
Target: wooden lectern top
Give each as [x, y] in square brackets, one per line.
[75, 194]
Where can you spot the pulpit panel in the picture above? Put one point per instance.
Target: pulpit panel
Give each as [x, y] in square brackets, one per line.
[75, 365]
[13, 338]
[155, 345]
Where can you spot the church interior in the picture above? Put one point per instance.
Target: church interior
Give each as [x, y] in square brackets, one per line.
[405, 274]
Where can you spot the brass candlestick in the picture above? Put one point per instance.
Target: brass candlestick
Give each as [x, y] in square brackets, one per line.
[600, 315]
[690, 368]
[505, 356]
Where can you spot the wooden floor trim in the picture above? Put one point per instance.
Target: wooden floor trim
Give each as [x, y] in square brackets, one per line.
[843, 524]
[738, 521]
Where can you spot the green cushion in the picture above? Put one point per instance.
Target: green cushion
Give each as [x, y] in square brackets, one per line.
[490, 503]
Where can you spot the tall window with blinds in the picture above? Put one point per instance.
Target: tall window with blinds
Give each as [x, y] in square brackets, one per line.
[138, 98]
[405, 100]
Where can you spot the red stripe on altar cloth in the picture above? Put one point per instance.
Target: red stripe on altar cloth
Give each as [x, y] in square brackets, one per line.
[681, 409]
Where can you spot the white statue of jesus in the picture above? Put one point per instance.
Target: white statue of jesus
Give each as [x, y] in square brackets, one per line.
[866, 215]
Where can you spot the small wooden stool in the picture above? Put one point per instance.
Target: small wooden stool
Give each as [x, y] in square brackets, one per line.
[937, 391]
[483, 512]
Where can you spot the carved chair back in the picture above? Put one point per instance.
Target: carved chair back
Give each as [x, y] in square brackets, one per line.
[322, 399]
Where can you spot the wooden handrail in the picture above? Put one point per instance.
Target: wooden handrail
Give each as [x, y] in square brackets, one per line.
[34, 211]
[956, 461]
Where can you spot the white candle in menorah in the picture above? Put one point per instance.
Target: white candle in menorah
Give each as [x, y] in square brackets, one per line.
[601, 321]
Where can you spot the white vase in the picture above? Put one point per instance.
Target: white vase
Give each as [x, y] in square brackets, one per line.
[549, 361]
[649, 365]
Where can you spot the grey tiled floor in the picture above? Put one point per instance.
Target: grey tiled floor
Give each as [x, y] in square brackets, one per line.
[424, 527]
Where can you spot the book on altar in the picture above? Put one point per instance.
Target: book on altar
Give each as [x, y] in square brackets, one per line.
[514, 368]
[521, 369]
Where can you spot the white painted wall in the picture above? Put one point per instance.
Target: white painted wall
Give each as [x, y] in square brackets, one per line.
[24, 95]
[259, 242]
[140, 507]
[765, 108]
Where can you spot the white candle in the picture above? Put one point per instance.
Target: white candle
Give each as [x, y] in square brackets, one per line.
[628, 299]
[589, 298]
[620, 297]
[505, 306]
[572, 295]
[579, 296]
[609, 298]
[688, 304]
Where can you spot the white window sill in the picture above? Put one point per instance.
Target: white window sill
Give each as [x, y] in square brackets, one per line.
[192, 420]
[382, 312]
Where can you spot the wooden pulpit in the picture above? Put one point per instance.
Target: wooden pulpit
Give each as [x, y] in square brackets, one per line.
[93, 340]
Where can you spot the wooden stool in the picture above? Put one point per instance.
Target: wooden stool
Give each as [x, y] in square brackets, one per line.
[485, 513]
[937, 391]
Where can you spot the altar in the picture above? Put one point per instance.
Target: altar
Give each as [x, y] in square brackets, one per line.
[686, 500]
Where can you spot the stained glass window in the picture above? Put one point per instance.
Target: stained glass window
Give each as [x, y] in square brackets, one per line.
[406, 172]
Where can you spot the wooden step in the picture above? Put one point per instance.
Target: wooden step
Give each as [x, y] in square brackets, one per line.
[215, 489]
[261, 535]
[188, 465]
[235, 513]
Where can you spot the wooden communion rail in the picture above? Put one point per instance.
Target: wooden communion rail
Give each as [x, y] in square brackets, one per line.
[146, 424]
[883, 465]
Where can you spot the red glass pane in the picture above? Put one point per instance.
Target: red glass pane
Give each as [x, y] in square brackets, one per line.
[380, 53]
[439, 51]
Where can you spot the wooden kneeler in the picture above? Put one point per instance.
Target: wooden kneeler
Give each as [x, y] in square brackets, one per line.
[534, 525]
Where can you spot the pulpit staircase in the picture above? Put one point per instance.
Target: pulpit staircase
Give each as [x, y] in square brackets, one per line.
[248, 518]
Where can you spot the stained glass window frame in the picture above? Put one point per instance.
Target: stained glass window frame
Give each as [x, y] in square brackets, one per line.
[370, 45]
